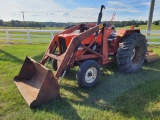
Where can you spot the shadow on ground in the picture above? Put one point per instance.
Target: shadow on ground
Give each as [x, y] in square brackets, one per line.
[122, 93]
[127, 94]
[11, 57]
[7, 56]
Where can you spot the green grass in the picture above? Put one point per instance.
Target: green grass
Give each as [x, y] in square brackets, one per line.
[142, 27]
[43, 28]
[21, 37]
[115, 96]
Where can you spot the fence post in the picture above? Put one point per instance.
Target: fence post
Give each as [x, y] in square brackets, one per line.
[51, 34]
[28, 36]
[148, 35]
[7, 35]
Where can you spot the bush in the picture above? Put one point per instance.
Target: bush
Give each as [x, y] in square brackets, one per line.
[156, 22]
[136, 25]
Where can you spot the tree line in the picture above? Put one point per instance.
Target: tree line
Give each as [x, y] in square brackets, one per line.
[17, 23]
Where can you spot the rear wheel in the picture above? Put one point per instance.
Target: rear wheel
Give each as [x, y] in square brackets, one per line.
[131, 53]
[88, 73]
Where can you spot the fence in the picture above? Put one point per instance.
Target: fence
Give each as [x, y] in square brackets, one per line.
[21, 35]
[153, 36]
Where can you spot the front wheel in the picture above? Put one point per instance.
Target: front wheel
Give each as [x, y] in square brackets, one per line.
[88, 73]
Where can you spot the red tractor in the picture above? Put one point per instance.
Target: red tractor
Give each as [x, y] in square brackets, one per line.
[91, 47]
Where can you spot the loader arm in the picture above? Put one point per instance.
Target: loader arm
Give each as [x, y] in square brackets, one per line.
[51, 45]
[65, 58]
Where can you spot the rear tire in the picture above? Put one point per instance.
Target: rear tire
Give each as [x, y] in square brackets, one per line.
[88, 73]
[131, 53]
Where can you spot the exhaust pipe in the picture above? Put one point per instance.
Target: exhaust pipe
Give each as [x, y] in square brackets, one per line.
[100, 15]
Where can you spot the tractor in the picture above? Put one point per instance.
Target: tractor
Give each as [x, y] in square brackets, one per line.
[88, 46]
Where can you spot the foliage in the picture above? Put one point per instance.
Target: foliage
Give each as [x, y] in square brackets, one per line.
[1, 22]
[16, 23]
[156, 22]
[136, 25]
[129, 23]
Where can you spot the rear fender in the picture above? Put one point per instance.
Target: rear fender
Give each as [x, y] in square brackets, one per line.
[123, 33]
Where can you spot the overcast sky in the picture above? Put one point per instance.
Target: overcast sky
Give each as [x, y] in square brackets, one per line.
[76, 10]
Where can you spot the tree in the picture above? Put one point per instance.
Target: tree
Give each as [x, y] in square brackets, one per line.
[1, 22]
[141, 22]
[129, 23]
[136, 25]
[156, 22]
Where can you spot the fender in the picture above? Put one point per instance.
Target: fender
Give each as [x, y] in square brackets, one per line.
[122, 33]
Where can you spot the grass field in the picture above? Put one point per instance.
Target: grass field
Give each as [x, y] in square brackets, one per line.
[144, 27]
[115, 96]
[43, 28]
[21, 36]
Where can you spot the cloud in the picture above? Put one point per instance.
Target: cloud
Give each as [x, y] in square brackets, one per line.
[33, 9]
[119, 6]
[85, 9]
[146, 3]
[72, 2]
[75, 11]
[65, 13]
[117, 3]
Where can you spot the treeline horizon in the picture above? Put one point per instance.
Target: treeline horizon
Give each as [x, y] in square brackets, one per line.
[17, 23]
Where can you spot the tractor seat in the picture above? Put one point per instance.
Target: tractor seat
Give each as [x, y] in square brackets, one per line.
[112, 36]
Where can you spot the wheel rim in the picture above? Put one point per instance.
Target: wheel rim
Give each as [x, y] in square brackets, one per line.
[137, 54]
[133, 54]
[91, 75]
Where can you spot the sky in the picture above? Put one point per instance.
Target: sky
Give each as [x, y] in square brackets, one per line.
[76, 10]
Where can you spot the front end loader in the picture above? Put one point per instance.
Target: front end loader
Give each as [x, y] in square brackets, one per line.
[94, 45]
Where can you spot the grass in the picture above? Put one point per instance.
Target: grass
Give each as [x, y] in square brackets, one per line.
[21, 37]
[115, 96]
[143, 27]
[43, 28]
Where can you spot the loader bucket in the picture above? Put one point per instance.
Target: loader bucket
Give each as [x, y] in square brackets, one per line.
[36, 83]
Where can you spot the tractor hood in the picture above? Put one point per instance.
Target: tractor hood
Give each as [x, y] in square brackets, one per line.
[67, 37]
[70, 35]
